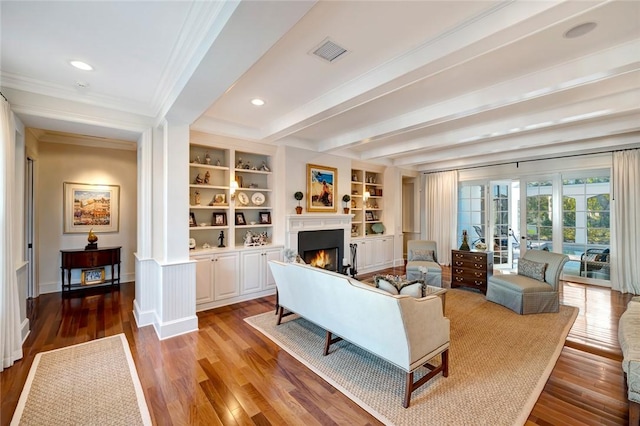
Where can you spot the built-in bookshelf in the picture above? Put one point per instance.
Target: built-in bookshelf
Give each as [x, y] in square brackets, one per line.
[230, 198]
[367, 203]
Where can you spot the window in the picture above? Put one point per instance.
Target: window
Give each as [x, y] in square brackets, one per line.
[586, 228]
[540, 215]
[471, 213]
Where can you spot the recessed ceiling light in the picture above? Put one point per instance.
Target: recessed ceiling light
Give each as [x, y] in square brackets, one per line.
[580, 30]
[257, 102]
[81, 65]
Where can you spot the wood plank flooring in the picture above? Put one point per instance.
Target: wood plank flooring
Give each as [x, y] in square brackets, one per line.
[226, 373]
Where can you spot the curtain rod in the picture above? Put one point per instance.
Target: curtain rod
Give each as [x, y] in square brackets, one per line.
[517, 163]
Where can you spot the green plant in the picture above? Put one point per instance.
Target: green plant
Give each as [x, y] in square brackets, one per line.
[298, 196]
[346, 198]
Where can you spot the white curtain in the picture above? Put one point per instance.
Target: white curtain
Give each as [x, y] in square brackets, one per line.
[10, 339]
[625, 255]
[441, 210]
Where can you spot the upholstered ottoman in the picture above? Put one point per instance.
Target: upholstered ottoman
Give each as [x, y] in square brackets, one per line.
[629, 339]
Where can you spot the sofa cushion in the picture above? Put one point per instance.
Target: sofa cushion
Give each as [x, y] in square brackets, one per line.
[383, 284]
[415, 289]
[420, 255]
[532, 269]
[392, 285]
[521, 284]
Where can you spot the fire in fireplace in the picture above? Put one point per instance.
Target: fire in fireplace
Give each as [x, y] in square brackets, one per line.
[325, 258]
[322, 249]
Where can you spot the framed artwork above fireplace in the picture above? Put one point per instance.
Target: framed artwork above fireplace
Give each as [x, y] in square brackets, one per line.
[321, 185]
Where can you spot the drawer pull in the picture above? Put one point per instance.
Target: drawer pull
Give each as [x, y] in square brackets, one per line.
[479, 282]
[459, 271]
[478, 274]
[459, 279]
[478, 265]
[459, 263]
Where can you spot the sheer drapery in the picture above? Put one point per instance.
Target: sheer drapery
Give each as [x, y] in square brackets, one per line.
[626, 219]
[441, 211]
[10, 339]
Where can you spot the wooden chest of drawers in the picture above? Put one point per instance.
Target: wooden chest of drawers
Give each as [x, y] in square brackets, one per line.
[471, 269]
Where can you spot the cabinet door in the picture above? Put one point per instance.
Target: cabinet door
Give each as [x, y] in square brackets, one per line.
[360, 255]
[270, 282]
[252, 271]
[204, 279]
[387, 247]
[225, 276]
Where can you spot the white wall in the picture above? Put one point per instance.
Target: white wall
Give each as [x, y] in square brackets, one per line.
[60, 163]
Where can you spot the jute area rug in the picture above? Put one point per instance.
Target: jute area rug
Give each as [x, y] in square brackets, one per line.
[499, 364]
[92, 383]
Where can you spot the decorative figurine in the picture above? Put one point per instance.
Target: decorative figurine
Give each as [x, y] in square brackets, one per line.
[197, 160]
[218, 162]
[207, 177]
[207, 158]
[240, 164]
[221, 239]
[264, 167]
[93, 241]
[247, 166]
[248, 238]
[197, 198]
[198, 179]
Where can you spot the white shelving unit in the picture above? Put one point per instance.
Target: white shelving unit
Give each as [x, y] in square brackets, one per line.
[367, 202]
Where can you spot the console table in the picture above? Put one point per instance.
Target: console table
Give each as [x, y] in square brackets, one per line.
[89, 259]
[471, 269]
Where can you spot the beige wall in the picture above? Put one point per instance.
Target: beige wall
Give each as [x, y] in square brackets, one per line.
[60, 163]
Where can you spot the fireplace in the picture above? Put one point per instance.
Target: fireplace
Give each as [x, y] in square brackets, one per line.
[323, 248]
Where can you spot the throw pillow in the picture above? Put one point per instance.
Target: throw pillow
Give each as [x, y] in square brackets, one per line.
[532, 269]
[421, 255]
[384, 284]
[414, 288]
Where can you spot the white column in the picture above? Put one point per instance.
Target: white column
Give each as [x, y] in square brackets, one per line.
[165, 273]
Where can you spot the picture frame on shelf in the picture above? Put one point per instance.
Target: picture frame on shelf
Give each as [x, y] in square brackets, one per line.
[92, 276]
[240, 220]
[90, 206]
[321, 183]
[192, 219]
[239, 181]
[265, 218]
[219, 219]
[219, 199]
[368, 216]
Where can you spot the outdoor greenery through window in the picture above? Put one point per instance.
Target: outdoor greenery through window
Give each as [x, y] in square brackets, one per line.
[539, 212]
[586, 232]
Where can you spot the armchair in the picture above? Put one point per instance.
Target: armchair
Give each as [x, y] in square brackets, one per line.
[524, 294]
[596, 261]
[422, 253]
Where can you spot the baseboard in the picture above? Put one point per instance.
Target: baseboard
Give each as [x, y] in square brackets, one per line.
[143, 318]
[24, 330]
[175, 328]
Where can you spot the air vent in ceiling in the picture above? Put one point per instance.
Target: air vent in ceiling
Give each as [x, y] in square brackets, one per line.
[329, 51]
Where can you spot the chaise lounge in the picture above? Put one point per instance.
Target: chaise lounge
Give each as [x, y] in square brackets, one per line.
[423, 254]
[535, 289]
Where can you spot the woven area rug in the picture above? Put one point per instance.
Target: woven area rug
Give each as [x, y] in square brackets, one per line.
[499, 364]
[92, 383]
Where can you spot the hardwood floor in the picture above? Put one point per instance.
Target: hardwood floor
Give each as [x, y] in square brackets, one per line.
[227, 373]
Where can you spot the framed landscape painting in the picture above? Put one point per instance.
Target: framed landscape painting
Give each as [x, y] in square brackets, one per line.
[88, 207]
[321, 182]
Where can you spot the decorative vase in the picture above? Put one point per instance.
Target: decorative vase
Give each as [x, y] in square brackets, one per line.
[465, 243]
[346, 210]
[298, 209]
[93, 241]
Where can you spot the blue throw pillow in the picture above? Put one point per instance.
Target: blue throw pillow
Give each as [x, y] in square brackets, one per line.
[532, 269]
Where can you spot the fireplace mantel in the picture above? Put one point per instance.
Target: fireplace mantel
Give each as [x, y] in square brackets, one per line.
[296, 223]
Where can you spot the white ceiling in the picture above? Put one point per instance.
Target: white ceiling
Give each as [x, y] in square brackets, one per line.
[426, 85]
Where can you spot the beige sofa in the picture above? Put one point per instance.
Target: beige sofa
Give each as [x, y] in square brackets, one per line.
[629, 339]
[413, 331]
